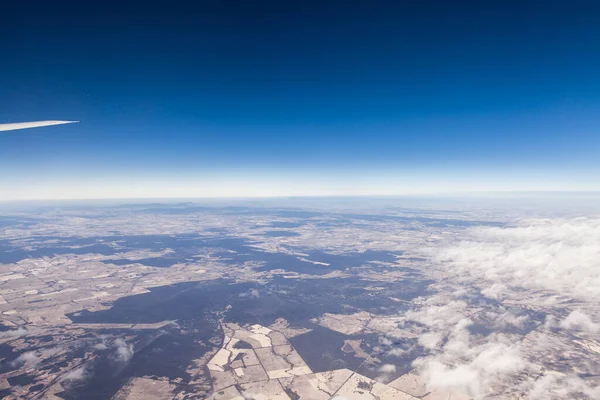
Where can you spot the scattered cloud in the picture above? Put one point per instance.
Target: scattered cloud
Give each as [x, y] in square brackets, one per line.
[28, 358]
[497, 291]
[536, 264]
[252, 293]
[553, 386]
[75, 375]
[100, 346]
[508, 319]
[550, 254]
[457, 362]
[124, 351]
[13, 333]
[577, 320]
[387, 368]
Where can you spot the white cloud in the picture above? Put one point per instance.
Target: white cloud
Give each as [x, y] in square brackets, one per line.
[28, 358]
[509, 319]
[553, 386]
[437, 312]
[124, 350]
[456, 361]
[75, 375]
[462, 365]
[497, 291]
[252, 293]
[488, 365]
[537, 264]
[13, 333]
[387, 368]
[431, 340]
[577, 320]
[556, 255]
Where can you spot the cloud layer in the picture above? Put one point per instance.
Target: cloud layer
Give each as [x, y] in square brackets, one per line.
[546, 268]
[562, 256]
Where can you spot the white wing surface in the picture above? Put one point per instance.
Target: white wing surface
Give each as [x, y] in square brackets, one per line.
[27, 125]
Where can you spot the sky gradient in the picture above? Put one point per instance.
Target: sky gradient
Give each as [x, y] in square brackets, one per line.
[227, 98]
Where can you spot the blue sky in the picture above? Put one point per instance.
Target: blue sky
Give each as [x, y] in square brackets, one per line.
[277, 98]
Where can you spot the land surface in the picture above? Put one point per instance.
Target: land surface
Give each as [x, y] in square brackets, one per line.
[433, 300]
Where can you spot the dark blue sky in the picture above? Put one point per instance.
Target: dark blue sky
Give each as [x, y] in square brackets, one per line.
[474, 91]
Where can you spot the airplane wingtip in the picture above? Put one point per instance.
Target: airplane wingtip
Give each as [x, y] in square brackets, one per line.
[35, 124]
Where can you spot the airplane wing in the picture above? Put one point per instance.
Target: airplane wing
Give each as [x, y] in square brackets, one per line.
[36, 124]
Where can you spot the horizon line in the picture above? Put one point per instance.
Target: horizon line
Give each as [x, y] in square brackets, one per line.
[266, 197]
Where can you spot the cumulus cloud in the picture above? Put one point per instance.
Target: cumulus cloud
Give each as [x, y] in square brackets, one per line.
[497, 291]
[552, 386]
[28, 358]
[387, 368]
[458, 364]
[100, 346]
[488, 365]
[508, 319]
[538, 265]
[437, 312]
[431, 340]
[75, 375]
[577, 320]
[399, 352]
[455, 360]
[393, 348]
[124, 350]
[386, 373]
[13, 333]
[252, 293]
[555, 255]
